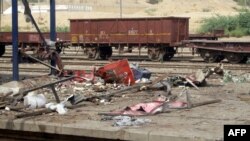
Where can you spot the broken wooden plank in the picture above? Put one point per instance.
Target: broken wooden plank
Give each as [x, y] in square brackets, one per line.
[193, 105]
[3, 104]
[3, 95]
[205, 103]
[160, 78]
[36, 113]
[44, 111]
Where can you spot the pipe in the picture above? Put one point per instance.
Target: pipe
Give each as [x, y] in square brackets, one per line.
[52, 20]
[15, 68]
[27, 12]
[41, 62]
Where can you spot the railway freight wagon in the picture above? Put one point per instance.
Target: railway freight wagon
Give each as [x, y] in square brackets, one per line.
[215, 51]
[160, 35]
[31, 39]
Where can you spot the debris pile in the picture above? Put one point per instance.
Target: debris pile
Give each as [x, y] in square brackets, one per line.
[121, 121]
[230, 77]
[58, 94]
[196, 79]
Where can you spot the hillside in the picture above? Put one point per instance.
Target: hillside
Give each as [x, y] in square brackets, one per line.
[195, 9]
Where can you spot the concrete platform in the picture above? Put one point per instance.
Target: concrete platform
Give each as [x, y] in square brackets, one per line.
[204, 123]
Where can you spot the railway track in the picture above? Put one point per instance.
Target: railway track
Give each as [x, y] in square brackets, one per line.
[176, 62]
[70, 63]
[192, 59]
[178, 65]
[83, 64]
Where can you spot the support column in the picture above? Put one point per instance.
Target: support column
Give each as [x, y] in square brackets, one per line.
[15, 68]
[52, 20]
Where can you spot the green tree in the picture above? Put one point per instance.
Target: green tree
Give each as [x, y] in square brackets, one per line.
[243, 2]
[238, 25]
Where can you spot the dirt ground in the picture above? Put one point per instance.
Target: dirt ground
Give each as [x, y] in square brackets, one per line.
[197, 10]
[215, 89]
[202, 122]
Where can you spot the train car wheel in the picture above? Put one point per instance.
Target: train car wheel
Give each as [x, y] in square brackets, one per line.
[169, 53]
[2, 50]
[105, 52]
[155, 54]
[234, 58]
[168, 56]
[97, 55]
[220, 58]
[92, 53]
[209, 57]
[244, 60]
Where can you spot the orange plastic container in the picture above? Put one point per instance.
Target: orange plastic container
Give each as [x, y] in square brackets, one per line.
[118, 71]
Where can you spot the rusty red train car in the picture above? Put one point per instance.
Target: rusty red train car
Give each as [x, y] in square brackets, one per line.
[31, 39]
[215, 51]
[161, 35]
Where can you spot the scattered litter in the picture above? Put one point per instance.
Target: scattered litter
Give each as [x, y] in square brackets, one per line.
[143, 81]
[140, 73]
[99, 87]
[7, 108]
[60, 108]
[229, 77]
[163, 85]
[196, 79]
[82, 76]
[161, 105]
[33, 100]
[118, 71]
[121, 121]
[51, 106]
[149, 108]
[177, 104]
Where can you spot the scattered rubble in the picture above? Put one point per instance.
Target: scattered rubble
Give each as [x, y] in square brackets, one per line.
[100, 86]
[122, 121]
[59, 108]
[118, 72]
[33, 100]
[196, 79]
[162, 105]
[140, 74]
[229, 77]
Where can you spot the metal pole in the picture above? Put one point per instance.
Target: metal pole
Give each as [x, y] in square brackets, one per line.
[120, 8]
[15, 69]
[52, 20]
[41, 62]
[27, 12]
[1, 9]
